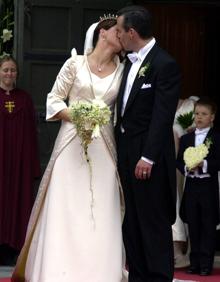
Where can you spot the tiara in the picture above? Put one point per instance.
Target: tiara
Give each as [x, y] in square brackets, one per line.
[108, 17]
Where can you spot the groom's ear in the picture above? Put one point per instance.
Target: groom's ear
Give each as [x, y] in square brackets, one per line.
[131, 32]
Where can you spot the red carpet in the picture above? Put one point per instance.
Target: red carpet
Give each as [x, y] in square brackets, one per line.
[180, 274]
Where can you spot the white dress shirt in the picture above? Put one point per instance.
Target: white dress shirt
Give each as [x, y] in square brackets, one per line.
[137, 61]
[134, 70]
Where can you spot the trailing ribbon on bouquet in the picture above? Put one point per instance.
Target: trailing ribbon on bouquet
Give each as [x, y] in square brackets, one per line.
[88, 117]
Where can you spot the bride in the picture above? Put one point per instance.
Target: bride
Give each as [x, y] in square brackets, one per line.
[63, 242]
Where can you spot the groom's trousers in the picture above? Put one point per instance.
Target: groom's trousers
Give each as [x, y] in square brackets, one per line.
[147, 230]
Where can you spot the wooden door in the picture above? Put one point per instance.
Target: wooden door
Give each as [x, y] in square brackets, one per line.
[45, 33]
[189, 31]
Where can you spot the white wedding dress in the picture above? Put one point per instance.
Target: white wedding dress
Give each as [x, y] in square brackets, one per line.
[67, 239]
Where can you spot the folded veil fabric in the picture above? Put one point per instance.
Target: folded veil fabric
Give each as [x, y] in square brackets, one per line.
[89, 38]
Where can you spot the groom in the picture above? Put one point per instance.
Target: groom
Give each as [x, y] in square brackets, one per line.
[146, 106]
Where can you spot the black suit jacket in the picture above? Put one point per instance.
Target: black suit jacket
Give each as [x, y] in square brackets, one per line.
[213, 161]
[150, 111]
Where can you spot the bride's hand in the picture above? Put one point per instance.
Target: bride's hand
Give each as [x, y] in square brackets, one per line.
[64, 115]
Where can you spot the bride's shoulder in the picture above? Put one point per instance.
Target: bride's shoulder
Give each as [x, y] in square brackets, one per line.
[74, 60]
[75, 57]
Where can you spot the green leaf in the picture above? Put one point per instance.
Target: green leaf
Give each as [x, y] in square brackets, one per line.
[185, 120]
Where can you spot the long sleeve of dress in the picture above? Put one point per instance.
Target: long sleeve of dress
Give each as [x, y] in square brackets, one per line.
[59, 93]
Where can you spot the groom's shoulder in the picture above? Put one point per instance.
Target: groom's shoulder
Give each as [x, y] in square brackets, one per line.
[163, 56]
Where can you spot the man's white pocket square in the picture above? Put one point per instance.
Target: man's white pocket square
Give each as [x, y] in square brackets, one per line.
[144, 86]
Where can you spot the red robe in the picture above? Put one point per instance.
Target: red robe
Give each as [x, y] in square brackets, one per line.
[19, 165]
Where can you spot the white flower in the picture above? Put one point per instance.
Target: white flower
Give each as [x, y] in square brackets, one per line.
[195, 155]
[143, 70]
[87, 125]
[6, 35]
[98, 102]
[96, 131]
[4, 54]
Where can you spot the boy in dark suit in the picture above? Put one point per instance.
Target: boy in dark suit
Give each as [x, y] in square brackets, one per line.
[200, 202]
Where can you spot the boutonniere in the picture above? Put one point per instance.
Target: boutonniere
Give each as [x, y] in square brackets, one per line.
[143, 70]
[208, 142]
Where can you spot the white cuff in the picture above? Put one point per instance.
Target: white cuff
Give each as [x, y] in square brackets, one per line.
[186, 172]
[205, 166]
[147, 160]
[53, 108]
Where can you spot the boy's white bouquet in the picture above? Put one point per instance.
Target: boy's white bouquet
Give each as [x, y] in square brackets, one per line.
[88, 117]
[193, 156]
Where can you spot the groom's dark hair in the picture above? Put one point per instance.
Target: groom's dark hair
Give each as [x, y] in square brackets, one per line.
[138, 18]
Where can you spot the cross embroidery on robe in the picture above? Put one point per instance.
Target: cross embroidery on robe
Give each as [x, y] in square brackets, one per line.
[10, 106]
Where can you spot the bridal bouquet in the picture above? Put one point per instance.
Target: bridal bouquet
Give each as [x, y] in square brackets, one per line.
[193, 156]
[88, 117]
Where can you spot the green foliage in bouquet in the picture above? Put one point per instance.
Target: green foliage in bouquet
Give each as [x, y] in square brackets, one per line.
[88, 117]
[185, 120]
[6, 27]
